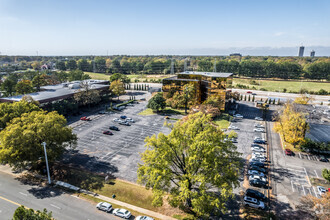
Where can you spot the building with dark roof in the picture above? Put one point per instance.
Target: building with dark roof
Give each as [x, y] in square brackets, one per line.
[61, 91]
[205, 84]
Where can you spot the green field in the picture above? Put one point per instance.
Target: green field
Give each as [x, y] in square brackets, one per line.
[290, 86]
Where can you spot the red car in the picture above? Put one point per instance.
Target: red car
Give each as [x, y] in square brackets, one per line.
[288, 152]
[107, 132]
[249, 92]
[85, 118]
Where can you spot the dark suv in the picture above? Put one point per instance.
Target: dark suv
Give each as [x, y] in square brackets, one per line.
[255, 194]
[114, 128]
[258, 183]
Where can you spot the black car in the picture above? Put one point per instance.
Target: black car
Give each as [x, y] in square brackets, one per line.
[257, 168]
[259, 141]
[257, 163]
[255, 194]
[114, 128]
[258, 183]
[123, 117]
[324, 159]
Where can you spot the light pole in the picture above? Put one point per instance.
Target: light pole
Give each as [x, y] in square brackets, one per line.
[44, 144]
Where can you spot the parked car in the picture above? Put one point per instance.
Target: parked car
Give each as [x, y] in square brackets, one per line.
[107, 132]
[117, 120]
[257, 125]
[254, 94]
[102, 112]
[257, 163]
[323, 159]
[258, 154]
[257, 177]
[143, 218]
[130, 120]
[255, 172]
[259, 141]
[259, 130]
[252, 202]
[289, 152]
[258, 159]
[124, 123]
[238, 116]
[85, 118]
[258, 183]
[129, 104]
[123, 117]
[255, 194]
[258, 149]
[122, 213]
[114, 128]
[257, 168]
[258, 119]
[321, 190]
[104, 206]
[233, 127]
[249, 92]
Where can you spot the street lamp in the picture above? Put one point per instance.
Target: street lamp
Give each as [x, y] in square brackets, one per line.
[44, 144]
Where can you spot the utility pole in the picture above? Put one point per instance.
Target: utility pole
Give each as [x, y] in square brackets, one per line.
[44, 144]
[185, 65]
[94, 64]
[215, 65]
[172, 67]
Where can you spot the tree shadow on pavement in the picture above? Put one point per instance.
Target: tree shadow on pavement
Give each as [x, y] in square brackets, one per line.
[45, 192]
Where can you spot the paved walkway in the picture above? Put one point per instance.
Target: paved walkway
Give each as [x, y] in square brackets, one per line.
[8, 170]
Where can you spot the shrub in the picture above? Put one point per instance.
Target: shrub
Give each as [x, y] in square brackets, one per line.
[284, 90]
[263, 89]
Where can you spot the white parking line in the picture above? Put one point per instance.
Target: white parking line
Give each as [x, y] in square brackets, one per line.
[316, 174]
[307, 177]
[292, 186]
[308, 157]
[304, 190]
[24, 194]
[299, 155]
[55, 206]
[315, 192]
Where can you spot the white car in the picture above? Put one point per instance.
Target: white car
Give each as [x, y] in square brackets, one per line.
[122, 213]
[321, 190]
[117, 120]
[233, 127]
[252, 202]
[259, 158]
[254, 172]
[143, 218]
[257, 125]
[104, 206]
[259, 130]
[258, 149]
[258, 119]
[258, 154]
[238, 116]
[129, 120]
[253, 177]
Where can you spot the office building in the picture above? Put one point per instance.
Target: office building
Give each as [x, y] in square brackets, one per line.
[312, 53]
[301, 51]
[205, 83]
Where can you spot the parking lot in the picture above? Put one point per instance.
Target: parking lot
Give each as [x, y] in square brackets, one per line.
[117, 154]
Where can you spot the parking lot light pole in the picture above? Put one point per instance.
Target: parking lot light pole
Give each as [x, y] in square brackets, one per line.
[44, 144]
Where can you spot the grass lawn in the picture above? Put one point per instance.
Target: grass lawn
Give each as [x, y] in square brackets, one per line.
[272, 85]
[167, 110]
[132, 77]
[222, 121]
[100, 76]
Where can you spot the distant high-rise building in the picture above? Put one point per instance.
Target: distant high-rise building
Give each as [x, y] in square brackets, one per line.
[312, 53]
[301, 51]
[235, 54]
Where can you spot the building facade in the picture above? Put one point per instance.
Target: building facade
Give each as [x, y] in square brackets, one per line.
[301, 51]
[205, 83]
[312, 53]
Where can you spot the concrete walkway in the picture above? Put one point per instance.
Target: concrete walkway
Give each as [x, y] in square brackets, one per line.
[8, 170]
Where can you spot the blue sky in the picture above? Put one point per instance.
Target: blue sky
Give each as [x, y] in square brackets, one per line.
[215, 27]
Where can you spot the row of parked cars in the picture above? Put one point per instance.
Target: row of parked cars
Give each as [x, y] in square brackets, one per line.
[257, 171]
[123, 120]
[123, 213]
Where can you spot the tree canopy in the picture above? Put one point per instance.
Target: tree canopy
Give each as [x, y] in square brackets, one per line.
[21, 213]
[20, 141]
[157, 102]
[117, 88]
[326, 174]
[87, 96]
[119, 76]
[193, 164]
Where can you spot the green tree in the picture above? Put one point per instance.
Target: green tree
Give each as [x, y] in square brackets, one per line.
[8, 86]
[71, 65]
[87, 96]
[38, 81]
[119, 76]
[77, 75]
[326, 174]
[21, 213]
[157, 102]
[188, 95]
[193, 164]
[83, 65]
[100, 64]
[117, 88]
[24, 87]
[20, 141]
[8, 111]
[61, 65]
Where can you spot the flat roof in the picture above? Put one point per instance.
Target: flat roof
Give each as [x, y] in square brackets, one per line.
[59, 91]
[210, 74]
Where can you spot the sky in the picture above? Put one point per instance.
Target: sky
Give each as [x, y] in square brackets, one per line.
[153, 27]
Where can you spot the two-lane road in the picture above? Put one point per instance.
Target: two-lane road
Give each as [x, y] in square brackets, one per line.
[63, 206]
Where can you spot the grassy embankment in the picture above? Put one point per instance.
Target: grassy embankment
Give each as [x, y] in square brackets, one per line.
[290, 86]
[223, 121]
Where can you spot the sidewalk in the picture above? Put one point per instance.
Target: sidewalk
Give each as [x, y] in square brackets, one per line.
[7, 169]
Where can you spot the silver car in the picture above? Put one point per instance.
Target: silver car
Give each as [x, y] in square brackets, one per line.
[104, 206]
[252, 202]
[122, 213]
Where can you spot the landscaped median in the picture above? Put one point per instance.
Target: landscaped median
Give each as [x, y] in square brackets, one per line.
[166, 111]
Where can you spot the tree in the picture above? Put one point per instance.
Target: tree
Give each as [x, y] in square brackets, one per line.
[317, 208]
[8, 111]
[24, 87]
[9, 87]
[326, 174]
[188, 95]
[36, 65]
[86, 96]
[215, 101]
[83, 65]
[304, 99]
[100, 64]
[157, 102]
[61, 65]
[21, 213]
[117, 88]
[20, 141]
[193, 164]
[119, 76]
[71, 65]
[38, 81]
[77, 75]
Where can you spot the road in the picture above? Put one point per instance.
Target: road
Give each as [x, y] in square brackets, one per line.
[14, 193]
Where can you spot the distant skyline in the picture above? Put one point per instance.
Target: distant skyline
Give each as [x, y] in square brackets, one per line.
[146, 27]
